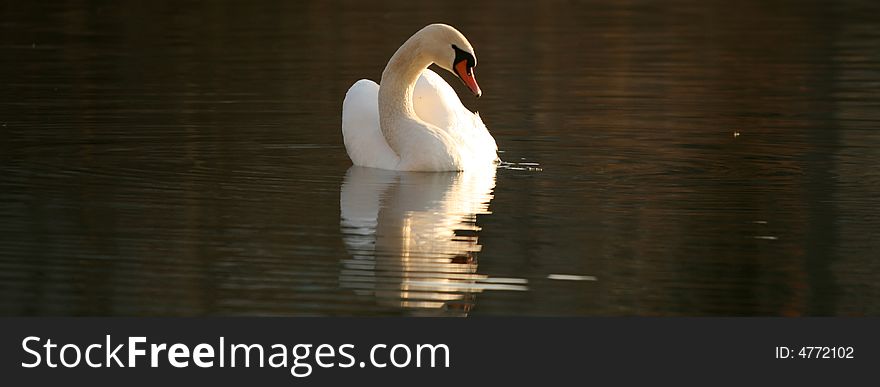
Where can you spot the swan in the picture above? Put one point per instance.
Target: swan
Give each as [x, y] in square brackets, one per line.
[415, 121]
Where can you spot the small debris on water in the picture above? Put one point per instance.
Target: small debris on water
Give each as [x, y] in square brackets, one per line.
[571, 277]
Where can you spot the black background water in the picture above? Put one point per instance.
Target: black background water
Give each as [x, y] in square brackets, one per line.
[693, 158]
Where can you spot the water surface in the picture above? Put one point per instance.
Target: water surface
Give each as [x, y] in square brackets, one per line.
[683, 158]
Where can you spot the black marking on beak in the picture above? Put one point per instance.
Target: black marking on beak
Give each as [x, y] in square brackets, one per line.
[461, 55]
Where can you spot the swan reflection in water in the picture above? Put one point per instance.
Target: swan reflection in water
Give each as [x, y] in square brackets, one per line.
[412, 237]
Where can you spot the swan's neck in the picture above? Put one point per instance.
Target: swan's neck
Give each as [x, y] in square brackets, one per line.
[396, 91]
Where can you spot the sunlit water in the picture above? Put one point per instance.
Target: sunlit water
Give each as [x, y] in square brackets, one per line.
[674, 158]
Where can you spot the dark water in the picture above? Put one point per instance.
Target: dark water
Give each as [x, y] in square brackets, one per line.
[684, 158]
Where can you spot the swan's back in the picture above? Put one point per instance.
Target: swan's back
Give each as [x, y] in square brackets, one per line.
[435, 103]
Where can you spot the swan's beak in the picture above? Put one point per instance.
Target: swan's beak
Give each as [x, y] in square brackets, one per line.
[467, 76]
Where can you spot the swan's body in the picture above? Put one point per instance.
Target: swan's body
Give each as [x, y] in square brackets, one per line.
[414, 121]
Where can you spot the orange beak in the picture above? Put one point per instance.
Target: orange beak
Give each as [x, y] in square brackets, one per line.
[467, 76]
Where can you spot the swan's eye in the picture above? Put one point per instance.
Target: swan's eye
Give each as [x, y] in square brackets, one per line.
[462, 55]
[463, 66]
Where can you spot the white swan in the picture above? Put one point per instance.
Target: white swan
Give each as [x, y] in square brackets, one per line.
[415, 121]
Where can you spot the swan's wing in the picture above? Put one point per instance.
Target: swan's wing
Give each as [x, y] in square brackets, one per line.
[436, 103]
[364, 142]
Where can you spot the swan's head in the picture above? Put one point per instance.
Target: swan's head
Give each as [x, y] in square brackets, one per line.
[450, 50]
